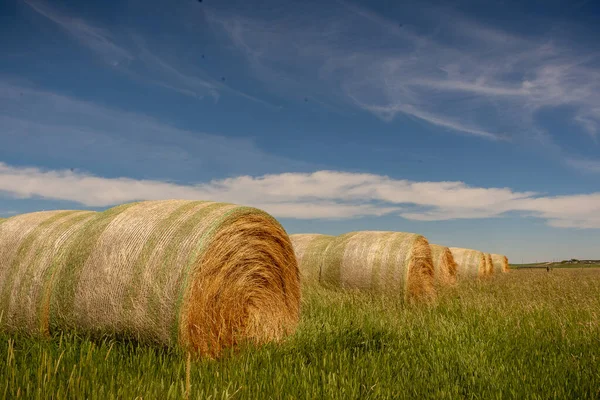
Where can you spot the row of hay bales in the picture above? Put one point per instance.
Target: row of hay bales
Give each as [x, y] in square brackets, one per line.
[476, 263]
[196, 274]
[201, 275]
[399, 262]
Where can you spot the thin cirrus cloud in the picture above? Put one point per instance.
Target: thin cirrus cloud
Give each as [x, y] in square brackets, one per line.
[97, 39]
[131, 54]
[318, 195]
[483, 82]
[50, 127]
[588, 165]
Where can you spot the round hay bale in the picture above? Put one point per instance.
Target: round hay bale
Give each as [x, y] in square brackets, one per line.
[444, 265]
[310, 249]
[471, 263]
[500, 262]
[201, 275]
[394, 262]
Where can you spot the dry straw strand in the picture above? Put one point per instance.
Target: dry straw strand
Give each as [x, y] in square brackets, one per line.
[500, 263]
[202, 275]
[444, 265]
[394, 262]
[310, 250]
[471, 263]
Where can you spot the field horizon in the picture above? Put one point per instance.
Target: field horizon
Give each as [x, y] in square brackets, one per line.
[571, 263]
[523, 334]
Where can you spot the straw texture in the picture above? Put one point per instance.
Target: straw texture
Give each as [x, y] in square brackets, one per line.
[310, 250]
[29, 244]
[471, 263]
[394, 262]
[444, 265]
[202, 275]
[489, 265]
[500, 263]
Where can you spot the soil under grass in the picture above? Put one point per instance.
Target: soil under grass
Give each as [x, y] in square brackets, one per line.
[525, 334]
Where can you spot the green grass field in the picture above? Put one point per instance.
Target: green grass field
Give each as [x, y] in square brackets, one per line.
[525, 334]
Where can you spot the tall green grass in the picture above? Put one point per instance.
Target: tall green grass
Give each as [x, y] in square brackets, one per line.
[525, 334]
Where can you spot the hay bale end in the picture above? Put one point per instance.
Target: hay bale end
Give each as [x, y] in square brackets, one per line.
[444, 265]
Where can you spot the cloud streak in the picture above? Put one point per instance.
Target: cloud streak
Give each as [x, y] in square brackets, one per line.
[442, 68]
[130, 53]
[483, 82]
[96, 39]
[44, 126]
[318, 195]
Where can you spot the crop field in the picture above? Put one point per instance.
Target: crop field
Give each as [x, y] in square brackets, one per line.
[523, 334]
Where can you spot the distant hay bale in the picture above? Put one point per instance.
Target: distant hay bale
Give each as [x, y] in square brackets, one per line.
[500, 263]
[310, 250]
[201, 275]
[443, 264]
[394, 262]
[471, 263]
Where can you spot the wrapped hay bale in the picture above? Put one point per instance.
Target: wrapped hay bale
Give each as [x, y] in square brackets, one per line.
[443, 264]
[394, 262]
[500, 262]
[201, 275]
[471, 263]
[310, 250]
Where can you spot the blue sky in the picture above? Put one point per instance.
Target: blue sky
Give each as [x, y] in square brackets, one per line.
[476, 126]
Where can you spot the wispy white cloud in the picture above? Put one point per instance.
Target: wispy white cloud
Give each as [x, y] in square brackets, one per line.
[584, 164]
[170, 77]
[318, 195]
[472, 87]
[590, 121]
[99, 40]
[41, 125]
[483, 81]
[389, 112]
[129, 52]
